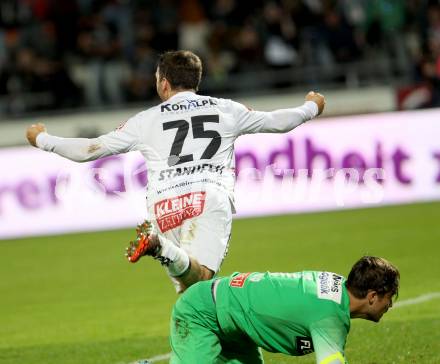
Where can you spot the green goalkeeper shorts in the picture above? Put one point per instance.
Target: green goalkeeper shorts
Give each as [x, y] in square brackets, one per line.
[195, 335]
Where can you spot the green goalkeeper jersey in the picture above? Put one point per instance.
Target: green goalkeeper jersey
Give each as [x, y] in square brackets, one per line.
[290, 313]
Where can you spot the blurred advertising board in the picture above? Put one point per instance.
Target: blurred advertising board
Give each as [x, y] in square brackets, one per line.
[334, 163]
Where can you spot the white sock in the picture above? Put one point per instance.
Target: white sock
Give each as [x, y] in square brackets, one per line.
[179, 258]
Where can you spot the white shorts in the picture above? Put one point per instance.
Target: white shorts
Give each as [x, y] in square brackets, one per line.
[198, 221]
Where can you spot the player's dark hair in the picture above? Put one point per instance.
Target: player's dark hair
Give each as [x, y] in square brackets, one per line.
[182, 69]
[373, 273]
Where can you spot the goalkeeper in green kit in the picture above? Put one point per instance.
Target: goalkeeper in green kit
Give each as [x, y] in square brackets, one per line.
[228, 320]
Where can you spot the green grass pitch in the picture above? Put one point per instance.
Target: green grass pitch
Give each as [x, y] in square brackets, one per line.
[74, 299]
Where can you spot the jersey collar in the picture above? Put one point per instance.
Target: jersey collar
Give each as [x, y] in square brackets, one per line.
[182, 95]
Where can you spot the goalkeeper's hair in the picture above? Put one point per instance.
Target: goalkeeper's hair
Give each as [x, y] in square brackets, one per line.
[182, 69]
[373, 273]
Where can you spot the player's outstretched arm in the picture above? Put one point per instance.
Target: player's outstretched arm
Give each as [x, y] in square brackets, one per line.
[75, 149]
[278, 121]
[118, 141]
[284, 120]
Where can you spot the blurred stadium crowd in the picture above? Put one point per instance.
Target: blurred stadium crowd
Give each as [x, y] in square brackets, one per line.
[95, 53]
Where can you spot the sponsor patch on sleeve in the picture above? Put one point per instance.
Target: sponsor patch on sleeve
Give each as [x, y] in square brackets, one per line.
[329, 286]
[238, 280]
[304, 345]
[171, 212]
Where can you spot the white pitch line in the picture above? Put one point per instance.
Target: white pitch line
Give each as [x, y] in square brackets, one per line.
[409, 302]
[157, 358]
[420, 299]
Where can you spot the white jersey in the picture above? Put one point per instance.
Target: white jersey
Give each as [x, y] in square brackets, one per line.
[188, 141]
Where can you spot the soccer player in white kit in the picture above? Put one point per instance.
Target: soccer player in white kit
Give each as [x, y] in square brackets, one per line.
[188, 145]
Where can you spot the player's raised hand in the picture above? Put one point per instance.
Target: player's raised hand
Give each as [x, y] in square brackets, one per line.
[33, 131]
[318, 99]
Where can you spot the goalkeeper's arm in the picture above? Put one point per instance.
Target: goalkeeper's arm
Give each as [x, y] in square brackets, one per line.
[329, 338]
